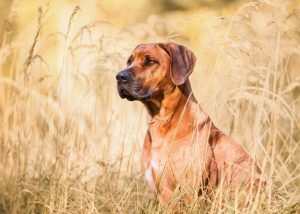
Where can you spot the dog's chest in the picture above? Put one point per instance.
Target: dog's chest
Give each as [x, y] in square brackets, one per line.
[150, 173]
[172, 167]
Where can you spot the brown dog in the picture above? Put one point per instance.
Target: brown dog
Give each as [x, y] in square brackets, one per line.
[183, 150]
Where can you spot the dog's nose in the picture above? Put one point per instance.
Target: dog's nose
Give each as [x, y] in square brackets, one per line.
[123, 76]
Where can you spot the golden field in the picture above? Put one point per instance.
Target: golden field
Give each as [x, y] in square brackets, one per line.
[69, 144]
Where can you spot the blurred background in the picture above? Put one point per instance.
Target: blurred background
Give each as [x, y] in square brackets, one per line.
[70, 144]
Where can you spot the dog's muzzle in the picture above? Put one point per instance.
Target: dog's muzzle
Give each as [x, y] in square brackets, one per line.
[130, 88]
[124, 78]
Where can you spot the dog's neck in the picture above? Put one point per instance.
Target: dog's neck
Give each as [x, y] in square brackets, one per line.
[176, 110]
[162, 107]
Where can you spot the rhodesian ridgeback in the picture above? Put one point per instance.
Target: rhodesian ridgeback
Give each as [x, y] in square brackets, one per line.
[183, 150]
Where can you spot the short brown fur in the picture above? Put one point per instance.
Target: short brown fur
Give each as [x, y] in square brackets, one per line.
[182, 148]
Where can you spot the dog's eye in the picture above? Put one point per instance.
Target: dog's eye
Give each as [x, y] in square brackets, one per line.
[149, 61]
[129, 61]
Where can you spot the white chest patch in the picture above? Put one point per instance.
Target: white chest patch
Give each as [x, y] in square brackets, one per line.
[149, 177]
[154, 166]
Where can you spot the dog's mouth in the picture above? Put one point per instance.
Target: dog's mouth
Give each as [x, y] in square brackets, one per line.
[130, 96]
[125, 94]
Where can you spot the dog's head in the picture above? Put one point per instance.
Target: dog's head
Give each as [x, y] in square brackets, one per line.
[153, 69]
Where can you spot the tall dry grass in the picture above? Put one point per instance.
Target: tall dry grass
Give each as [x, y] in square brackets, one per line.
[69, 144]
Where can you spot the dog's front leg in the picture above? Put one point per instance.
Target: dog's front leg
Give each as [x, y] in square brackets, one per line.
[165, 195]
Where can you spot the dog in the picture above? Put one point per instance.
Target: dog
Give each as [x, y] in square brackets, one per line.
[183, 150]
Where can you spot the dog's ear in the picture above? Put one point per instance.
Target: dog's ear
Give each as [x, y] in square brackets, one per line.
[182, 61]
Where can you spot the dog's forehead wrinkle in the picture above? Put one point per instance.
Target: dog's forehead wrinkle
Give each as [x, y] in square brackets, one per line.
[141, 48]
[146, 49]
